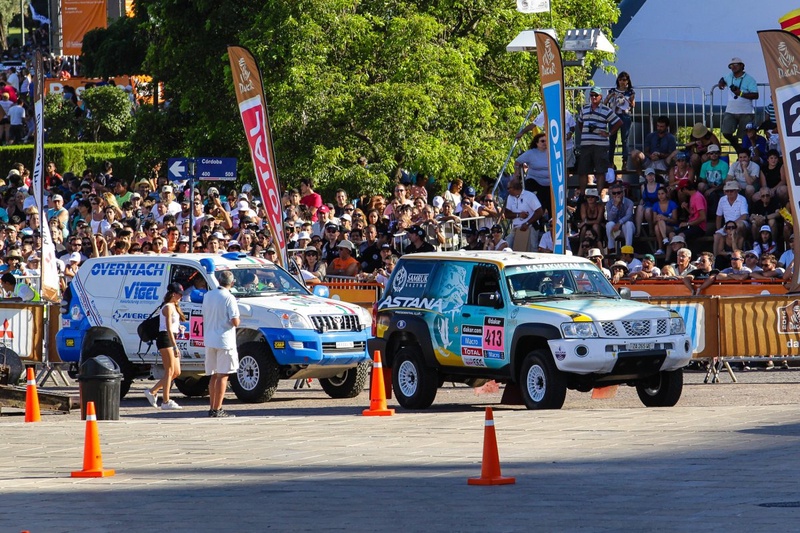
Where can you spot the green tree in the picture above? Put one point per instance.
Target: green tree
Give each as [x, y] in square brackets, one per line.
[108, 112]
[422, 85]
[59, 119]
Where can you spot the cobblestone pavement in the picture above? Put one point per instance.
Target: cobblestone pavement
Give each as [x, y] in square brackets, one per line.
[723, 459]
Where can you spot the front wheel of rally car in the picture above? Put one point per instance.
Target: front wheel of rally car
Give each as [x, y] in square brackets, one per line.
[193, 385]
[414, 384]
[662, 390]
[543, 385]
[257, 378]
[349, 383]
[115, 352]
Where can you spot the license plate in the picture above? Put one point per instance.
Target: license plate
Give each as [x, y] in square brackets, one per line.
[345, 344]
[641, 346]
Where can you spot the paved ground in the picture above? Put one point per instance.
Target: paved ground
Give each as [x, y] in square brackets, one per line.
[723, 459]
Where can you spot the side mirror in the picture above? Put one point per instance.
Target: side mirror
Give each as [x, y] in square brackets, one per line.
[197, 295]
[490, 299]
[625, 292]
[322, 291]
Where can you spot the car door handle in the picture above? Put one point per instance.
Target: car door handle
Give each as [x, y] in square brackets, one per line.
[466, 315]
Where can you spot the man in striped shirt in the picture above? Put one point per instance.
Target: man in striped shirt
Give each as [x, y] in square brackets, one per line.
[597, 122]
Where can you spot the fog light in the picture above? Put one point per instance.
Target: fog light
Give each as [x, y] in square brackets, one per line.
[582, 351]
[296, 345]
[687, 347]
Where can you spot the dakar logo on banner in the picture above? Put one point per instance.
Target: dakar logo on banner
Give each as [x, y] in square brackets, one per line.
[789, 318]
[245, 78]
[788, 66]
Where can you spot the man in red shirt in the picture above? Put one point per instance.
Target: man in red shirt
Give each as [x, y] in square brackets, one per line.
[309, 198]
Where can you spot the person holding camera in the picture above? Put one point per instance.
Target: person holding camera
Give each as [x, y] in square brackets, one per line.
[740, 110]
[597, 123]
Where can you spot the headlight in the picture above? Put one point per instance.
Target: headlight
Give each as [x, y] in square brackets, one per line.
[578, 330]
[291, 320]
[365, 318]
[676, 326]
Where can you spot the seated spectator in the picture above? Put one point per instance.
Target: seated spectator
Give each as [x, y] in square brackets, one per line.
[649, 196]
[755, 144]
[619, 217]
[596, 256]
[649, 270]
[495, 240]
[769, 268]
[704, 271]
[683, 264]
[627, 255]
[665, 218]
[712, 176]
[619, 271]
[591, 217]
[787, 257]
[746, 173]
[732, 208]
[738, 270]
[702, 139]
[765, 244]
[660, 148]
[590, 240]
[679, 177]
[697, 207]
[724, 246]
[773, 177]
[764, 212]
[751, 261]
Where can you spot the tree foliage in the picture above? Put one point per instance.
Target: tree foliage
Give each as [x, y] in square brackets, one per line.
[109, 113]
[60, 123]
[424, 85]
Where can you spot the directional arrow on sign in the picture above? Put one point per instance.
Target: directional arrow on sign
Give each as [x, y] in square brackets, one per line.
[177, 168]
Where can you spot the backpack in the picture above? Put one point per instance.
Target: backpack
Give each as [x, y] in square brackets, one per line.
[148, 329]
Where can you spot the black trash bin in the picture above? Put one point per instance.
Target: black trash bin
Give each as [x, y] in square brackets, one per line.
[99, 380]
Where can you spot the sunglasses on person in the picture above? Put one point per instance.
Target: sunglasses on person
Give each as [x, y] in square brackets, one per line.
[751, 256]
[731, 228]
[332, 230]
[349, 209]
[736, 258]
[616, 193]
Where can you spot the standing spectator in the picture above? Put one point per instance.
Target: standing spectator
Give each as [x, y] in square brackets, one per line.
[418, 244]
[453, 193]
[622, 99]
[739, 111]
[309, 198]
[597, 122]
[660, 148]
[220, 320]
[537, 176]
[16, 117]
[170, 317]
[619, 217]
[5, 122]
[341, 202]
[345, 264]
[523, 210]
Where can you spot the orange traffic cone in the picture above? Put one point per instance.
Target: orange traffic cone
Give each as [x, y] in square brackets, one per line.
[92, 458]
[377, 392]
[490, 467]
[32, 413]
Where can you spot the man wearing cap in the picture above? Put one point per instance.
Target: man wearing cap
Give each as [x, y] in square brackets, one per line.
[619, 271]
[596, 122]
[473, 240]
[712, 175]
[740, 110]
[648, 270]
[416, 236]
[523, 209]
[755, 144]
[732, 208]
[19, 291]
[59, 213]
[168, 199]
[345, 264]
[627, 255]
[746, 173]
[660, 148]
[330, 249]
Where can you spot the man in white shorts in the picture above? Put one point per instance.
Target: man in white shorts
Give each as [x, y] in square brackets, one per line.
[220, 320]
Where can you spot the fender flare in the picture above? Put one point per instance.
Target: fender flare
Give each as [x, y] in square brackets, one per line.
[415, 330]
[518, 353]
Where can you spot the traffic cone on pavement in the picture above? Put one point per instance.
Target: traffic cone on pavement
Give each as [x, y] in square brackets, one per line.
[377, 392]
[490, 467]
[32, 413]
[92, 458]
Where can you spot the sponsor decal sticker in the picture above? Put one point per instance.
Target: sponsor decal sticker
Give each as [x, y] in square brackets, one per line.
[474, 361]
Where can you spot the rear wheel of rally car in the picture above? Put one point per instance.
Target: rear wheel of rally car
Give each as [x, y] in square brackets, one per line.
[193, 385]
[115, 352]
[349, 383]
[662, 390]
[257, 378]
[414, 384]
[543, 385]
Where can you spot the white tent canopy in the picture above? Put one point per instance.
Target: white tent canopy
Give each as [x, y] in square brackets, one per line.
[691, 42]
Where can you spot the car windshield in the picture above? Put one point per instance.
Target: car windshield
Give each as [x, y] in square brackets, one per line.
[263, 280]
[530, 282]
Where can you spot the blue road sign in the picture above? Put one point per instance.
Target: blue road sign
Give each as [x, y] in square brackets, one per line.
[216, 168]
[178, 168]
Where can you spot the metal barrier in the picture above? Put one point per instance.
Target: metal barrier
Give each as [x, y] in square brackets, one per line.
[718, 100]
[675, 288]
[349, 290]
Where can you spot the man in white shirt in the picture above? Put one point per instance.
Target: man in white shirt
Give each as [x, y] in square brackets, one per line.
[220, 320]
[731, 208]
[16, 116]
[523, 210]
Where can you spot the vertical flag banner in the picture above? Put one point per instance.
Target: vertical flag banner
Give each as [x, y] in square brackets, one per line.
[533, 6]
[255, 118]
[782, 57]
[79, 17]
[551, 74]
[49, 273]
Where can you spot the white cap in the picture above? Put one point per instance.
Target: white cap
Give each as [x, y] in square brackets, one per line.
[247, 187]
[438, 202]
[243, 204]
[304, 235]
[75, 257]
[346, 217]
